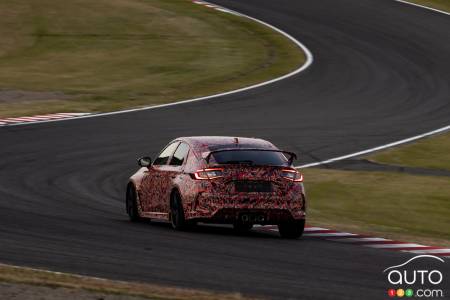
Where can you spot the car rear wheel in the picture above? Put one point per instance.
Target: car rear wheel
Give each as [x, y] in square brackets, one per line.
[177, 213]
[131, 204]
[292, 229]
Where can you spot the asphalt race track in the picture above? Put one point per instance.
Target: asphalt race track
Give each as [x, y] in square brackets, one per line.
[381, 73]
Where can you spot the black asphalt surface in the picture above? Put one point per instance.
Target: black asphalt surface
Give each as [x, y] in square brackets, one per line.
[381, 73]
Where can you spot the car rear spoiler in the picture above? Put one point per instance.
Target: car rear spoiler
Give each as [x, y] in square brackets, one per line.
[292, 155]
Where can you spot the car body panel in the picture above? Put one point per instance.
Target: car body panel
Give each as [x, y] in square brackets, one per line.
[218, 200]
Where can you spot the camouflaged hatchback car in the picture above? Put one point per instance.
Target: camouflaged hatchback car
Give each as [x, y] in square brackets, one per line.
[239, 181]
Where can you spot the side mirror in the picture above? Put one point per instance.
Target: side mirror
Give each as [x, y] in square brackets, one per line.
[144, 161]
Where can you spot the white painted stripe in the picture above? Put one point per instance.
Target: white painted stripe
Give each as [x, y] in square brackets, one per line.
[55, 116]
[376, 148]
[369, 239]
[430, 251]
[66, 114]
[63, 115]
[39, 118]
[228, 11]
[326, 234]
[307, 64]
[11, 122]
[18, 119]
[77, 114]
[14, 120]
[314, 229]
[34, 118]
[52, 116]
[28, 119]
[423, 6]
[400, 245]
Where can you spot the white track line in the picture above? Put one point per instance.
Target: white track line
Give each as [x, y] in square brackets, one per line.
[404, 141]
[327, 234]
[216, 7]
[38, 118]
[34, 118]
[399, 245]
[423, 6]
[227, 11]
[430, 251]
[73, 114]
[358, 240]
[21, 119]
[307, 64]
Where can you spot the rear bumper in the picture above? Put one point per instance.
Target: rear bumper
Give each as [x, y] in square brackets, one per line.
[260, 209]
[253, 216]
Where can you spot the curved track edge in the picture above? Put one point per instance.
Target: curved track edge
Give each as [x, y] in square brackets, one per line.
[309, 61]
[378, 148]
[424, 7]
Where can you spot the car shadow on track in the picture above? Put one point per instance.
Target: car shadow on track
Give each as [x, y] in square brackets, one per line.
[214, 229]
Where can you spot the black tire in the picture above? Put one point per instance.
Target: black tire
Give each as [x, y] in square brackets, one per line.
[242, 227]
[131, 204]
[292, 229]
[177, 213]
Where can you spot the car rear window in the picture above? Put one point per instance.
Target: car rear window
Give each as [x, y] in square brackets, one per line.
[252, 157]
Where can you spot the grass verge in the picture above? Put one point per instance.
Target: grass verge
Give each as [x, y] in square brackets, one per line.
[28, 276]
[431, 153]
[96, 56]
[405, 207]
[438, 4]
[394, 205]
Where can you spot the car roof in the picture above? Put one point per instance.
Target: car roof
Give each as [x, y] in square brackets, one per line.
[213, 143]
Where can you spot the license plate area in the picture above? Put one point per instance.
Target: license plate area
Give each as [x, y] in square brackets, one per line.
[252, 186]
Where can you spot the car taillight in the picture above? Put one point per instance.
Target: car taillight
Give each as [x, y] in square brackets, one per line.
[207, 174]
[292, 175]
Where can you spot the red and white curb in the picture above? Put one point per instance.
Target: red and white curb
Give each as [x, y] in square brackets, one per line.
[216, 7]
[39, 118]
[367, 241]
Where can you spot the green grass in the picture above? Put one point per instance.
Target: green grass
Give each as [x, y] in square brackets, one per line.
[438, 4]
[113, 54]
[28, 276]
[412, 208]
[432, 153]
